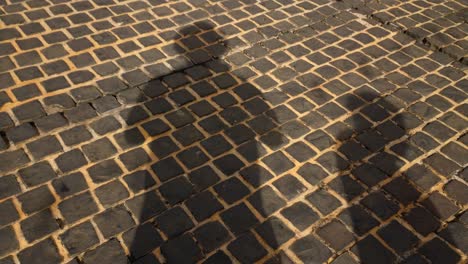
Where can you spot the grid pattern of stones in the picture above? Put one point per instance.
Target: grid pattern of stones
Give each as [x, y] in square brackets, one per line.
[72, 43]
[435, 95]
[441, 24]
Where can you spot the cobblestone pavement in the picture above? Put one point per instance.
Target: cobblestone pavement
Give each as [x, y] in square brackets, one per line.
[233, 131]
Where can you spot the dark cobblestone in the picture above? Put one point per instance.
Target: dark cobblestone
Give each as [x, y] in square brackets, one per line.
[246, 248]
[310, 249]
[46, 251]
[223, 132]
[109, 252]
[77, 207]
[149, 240]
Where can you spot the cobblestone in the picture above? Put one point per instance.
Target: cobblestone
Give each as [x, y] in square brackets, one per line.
[233, 131]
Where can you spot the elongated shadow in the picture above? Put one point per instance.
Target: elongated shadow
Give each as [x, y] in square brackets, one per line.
[388, 195]
[203, 133]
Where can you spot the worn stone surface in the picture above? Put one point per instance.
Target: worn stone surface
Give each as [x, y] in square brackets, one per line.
[273, 131]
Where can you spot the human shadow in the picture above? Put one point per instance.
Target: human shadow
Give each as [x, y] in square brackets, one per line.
[390, 205]
[203, 132]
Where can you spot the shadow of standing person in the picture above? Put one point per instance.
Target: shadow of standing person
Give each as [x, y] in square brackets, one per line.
[385, 204]
[203, 136]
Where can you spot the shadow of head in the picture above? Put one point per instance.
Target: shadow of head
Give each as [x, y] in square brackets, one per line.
[199, 42]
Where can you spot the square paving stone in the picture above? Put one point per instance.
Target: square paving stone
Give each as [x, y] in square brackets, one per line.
[213, 124]
[300, 215]
[99, 149]
[333, 162]
[274, 140]
[368, 174]
[129, 138]
[174, 222]
[134, 158]
[36, 199]
[218, 258]
[71, 160]
[107, 253]
[266, 201]
[310, 250]
[398, 237]
[256, 175]
[203, 177]
[8, 212]
[69, 184]
[380, 205]
[139, 180]
[142, 240]
[155, 127]
[182, 249]
[247, 249]
[442, 165]
[29, 111]
[211, 236]
[45, 251]
[105, 104]
[111, 193]
[457, 191]
[39, 225]
[22, 132]
[239, 218]
[289, 186]
[437, 251]
[180, 117]
[402, 191]
[300, 151]
[188, 135]
[44, 146]
[274, 232]
[229, 164]
[75, 135]
[80, 113]
[145, 206]
[454, 233]
[192, 157]
[370, 250]
[167, 168]
[79, 238]
[323, 201]
[203, 205]
[320, 139]
[336, 235]
[231, 190]
[133, 115]
[252, 150]
[347, 187]
[176, 190]
[278, 162]
[104, 171]
[77, 207]
[216, 145]
[440, 206]
[358, 219]
[10, 242]
[421, 220]
[37, 173]
[113, 221]
[312, 173]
